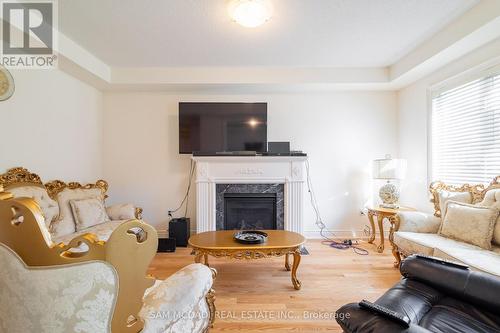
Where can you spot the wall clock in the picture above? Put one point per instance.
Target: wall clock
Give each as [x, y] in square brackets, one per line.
[6, 84]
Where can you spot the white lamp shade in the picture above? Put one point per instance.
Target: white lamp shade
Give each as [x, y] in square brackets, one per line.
[389, 168]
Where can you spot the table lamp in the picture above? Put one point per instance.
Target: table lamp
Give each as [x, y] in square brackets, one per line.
[389, 169]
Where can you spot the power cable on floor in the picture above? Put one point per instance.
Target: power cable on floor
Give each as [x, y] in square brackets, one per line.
[319, 222]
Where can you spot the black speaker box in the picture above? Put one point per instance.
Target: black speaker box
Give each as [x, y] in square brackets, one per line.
[278, 148]
[166, 245]
[179, 230]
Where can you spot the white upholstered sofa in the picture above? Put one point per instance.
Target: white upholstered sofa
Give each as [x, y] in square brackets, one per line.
[418, 232]
[55, 199]
[49, 288]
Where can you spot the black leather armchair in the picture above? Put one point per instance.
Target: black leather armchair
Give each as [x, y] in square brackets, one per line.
[437, 297]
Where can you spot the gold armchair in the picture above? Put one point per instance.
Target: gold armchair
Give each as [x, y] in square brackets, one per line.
[54, 289]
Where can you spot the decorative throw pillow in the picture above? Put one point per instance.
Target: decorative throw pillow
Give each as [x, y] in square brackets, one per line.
[445, 196]
[469, 223]
[492, 199]
[88, 213]
[50, 208]
[121, 212]
[66, 225]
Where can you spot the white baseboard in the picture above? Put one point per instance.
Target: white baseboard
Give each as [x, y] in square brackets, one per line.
[309, 234]
[336, 234]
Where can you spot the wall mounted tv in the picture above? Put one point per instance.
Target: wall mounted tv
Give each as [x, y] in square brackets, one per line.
[220, 127]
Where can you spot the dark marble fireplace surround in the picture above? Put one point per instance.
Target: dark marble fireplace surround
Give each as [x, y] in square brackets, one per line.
[278, 189]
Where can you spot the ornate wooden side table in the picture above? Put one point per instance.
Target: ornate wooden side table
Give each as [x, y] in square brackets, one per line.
[221, 244]
[383, 213]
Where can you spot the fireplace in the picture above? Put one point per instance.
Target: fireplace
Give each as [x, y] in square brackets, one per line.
[250, 211]
[217, 175]
[250, 206]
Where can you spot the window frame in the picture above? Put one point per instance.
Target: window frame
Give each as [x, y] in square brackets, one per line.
[488, 68]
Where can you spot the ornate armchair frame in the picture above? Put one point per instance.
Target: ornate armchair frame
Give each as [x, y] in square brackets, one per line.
[20, 221]
[129, 253]
[477, 192]
[130, 248]
[20, 176]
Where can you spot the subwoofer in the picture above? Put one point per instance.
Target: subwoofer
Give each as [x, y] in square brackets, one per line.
[166, 245]
[179, 230]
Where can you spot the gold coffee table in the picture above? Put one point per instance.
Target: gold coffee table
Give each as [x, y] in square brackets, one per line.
[221, 244]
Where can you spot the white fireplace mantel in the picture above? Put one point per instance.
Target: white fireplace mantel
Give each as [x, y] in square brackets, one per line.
[212, 170]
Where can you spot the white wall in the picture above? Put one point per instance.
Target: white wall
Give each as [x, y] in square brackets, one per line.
[52, 125]
[340, 131]
[413, 112]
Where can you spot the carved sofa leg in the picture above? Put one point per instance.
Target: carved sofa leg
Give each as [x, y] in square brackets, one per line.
[394, 220]
[397, 256]
[210, 298]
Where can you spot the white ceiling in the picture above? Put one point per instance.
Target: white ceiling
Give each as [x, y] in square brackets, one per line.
[302, 33]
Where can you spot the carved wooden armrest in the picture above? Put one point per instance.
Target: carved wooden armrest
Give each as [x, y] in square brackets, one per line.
[126, 211]
[138, 213]
[418, 222]
[211, 299]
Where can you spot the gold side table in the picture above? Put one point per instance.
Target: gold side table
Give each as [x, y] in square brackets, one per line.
[383, 213]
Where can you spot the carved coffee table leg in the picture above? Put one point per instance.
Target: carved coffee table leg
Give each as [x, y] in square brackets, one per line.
[296, 261]
[287, 261]
[205, 258]
[197, 256]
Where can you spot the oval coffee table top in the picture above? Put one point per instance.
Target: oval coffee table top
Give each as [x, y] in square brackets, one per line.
[223, 239]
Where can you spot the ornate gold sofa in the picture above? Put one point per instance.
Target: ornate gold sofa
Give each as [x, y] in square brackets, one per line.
[49, 288]
[417, 232]
[53, 198]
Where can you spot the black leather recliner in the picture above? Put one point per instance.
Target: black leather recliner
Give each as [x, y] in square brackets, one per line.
[436, 297]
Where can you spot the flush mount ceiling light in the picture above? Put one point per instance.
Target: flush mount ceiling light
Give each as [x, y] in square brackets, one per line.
[250, 13]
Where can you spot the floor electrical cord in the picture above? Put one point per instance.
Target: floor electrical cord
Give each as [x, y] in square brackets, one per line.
[319, 222]
[185, 200]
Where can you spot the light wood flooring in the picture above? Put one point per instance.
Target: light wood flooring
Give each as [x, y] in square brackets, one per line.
[258, 296]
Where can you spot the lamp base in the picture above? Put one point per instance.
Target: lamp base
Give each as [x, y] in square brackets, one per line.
[389, 193]
[391, 206]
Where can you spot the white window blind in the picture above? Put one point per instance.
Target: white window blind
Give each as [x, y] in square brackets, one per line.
[465, 137]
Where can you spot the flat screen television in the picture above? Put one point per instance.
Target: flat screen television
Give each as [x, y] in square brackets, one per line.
[222, 127]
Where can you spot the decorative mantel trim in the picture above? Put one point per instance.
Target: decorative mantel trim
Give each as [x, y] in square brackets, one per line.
[288, 170]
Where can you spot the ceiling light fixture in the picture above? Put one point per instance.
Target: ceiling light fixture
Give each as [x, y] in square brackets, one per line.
[250, 13]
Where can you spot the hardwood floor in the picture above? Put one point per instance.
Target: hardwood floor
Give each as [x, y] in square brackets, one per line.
[258, 296]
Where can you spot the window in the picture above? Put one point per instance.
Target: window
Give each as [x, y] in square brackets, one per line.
[465, 133]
